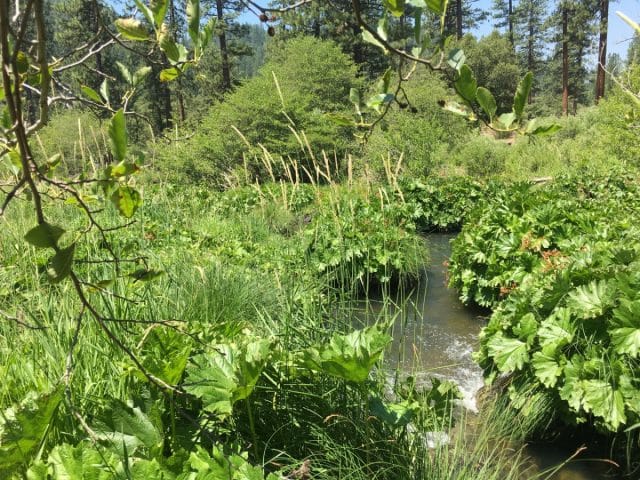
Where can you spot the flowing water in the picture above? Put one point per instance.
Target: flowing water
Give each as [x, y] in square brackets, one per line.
[435, 335]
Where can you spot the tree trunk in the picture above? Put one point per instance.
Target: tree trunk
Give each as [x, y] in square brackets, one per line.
[458, 19]
[565, 60]
[602, 49]
[224, 50]
[511, 39]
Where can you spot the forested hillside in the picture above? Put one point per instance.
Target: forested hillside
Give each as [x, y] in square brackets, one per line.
[219, 222]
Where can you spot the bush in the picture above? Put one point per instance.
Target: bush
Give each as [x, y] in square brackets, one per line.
[423, 135]
[78, 136]
[266, 112]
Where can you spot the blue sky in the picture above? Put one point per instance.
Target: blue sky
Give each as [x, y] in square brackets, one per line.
[619, 32]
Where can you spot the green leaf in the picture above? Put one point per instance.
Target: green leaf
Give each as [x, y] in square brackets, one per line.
[167, 45]
[591, 300]
[341, 119]
[522, 95]
[132, 29]
[396, 7]
[534, 129]
[557, 330]
[350, 356]
[605, 402]
[159, 10]
[127, 200]
[382, 32]
[169, 74]
[417, 19]
[91, 94]
[61, 264]
[456, 58]
[121, 169]
[165, 353]
[146, 11]
[626, 334]
[630, 22]
[193, 20]
[509, 354]
[145, 275]
[487, 102]
[118, 135]
[377, 101]
[23, 428]
[546, 368]
[227, 375]
[22, 62]
[396, 414]
[526, 328]
[439, 7]
[125, 423]
[104, 90]
[44, 235]
[466, 84]
[124, 71]
[507, 119]
[384, 83]
[356, 98]
[140, 75]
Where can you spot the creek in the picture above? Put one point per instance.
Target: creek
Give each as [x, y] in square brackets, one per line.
[435, 336]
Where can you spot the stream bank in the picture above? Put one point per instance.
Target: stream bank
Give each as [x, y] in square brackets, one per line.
[435, 335]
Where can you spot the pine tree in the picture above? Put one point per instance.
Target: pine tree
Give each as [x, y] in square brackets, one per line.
[602, 49]
[531, 36]
[504, 16]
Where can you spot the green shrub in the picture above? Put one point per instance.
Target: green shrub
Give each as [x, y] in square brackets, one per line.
[482, 157]
[78, 136]
[314, 78]
[422, 133]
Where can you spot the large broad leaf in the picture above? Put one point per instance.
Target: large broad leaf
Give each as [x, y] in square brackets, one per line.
[439, 7]
[193, 20]
[547, 368]
[165, 353]
[168, 45]
[44, 235]
[350, 356]
[91, 94]
[456, 59]
[381, 31]
[159, 10]
[603, 401]
[396, 7]
[127, 426]
[592, 300]
[118, 135]
[227, 374]
[522, 95]
[509, 354]
[127, 200]
[526, 328]
[23, 427]
[220, 466]
[487, 102]
[557, 330]
[131, 29]
[79, 462]
[626, 336]
[396, 414]
[60, 264]
[466, 84]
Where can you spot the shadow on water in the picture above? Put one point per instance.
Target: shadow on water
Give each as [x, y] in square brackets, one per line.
[435, 336]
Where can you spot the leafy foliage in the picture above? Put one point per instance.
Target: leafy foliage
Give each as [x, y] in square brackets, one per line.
[564, 286]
